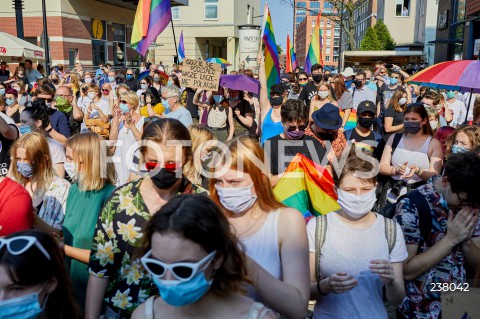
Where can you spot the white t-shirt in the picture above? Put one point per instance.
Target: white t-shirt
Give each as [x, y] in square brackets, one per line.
[103, 105]
[57, 151]
[459, 112]
[350, 250]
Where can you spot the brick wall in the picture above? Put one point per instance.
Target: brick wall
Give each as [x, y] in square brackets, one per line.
[473, 7]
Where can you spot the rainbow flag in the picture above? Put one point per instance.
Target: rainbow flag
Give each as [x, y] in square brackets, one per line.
[307, 187]
[181, 49]
[352, 119]
[294, 59]
[288, 60]
[272, 63]
[314, 54]
[151, 18]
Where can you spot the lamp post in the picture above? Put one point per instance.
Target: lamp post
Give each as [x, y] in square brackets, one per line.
[340, 41]
[18, 6]
[45, 35]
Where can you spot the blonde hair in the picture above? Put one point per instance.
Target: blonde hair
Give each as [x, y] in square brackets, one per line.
[96, 172]
[473, 133]
[131, 98]
[38, 154]
[330, 96]
[199, 134]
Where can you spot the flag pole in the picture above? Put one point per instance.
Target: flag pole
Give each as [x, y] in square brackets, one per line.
[174, 40]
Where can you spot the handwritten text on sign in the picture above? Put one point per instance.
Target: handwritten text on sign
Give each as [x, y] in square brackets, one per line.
[198, 74]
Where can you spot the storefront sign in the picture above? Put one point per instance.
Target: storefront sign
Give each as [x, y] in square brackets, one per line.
[249, 42]
[197, 74]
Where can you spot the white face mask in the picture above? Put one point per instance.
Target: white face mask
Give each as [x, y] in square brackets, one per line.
[70, 169]
[323, 94]
[356, 206]
[91, 95]
[236, 199]
[434, 124]
[402, 101]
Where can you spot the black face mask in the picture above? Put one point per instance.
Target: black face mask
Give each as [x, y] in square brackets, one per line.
[325, 136]
[164, 179]
[286, 85]
[358, 84]
[366, 122]
[317, 77]
[276, 101]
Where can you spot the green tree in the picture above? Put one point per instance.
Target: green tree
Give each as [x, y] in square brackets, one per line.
[279, 49]
[370, 41]
[383, 35]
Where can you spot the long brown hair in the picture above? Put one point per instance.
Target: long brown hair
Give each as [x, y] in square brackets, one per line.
[340, 87]
[241, 151]
[419, 109]
[395, 98]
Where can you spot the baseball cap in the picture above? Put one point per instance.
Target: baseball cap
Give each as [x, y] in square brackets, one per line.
[367, 106]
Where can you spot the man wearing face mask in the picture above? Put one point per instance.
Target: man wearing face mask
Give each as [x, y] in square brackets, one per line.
[310, 90]
[361, 92]
[362, 135]
[292, 140]
[4, 71]
[66, 103]
[386, 91]
[457, 107]
[285, 81]
[131, 81]
[325, 126]
[440, 247]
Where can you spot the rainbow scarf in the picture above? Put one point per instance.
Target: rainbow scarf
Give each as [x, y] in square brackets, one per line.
[151, 18]
[272, 63]
[307, 187]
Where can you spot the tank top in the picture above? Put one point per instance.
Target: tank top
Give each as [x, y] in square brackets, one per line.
[417, 158]
[263, 248]
[270, 128]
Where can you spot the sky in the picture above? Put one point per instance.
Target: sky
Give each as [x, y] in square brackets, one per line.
[282, 19]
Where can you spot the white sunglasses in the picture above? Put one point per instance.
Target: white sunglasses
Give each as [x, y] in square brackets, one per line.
[20, 244]
[181, 271]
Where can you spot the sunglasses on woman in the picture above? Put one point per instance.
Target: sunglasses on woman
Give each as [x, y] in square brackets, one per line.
[182, 271]
[302, 79]
[20, 244]
[169, 166]
[292, 128]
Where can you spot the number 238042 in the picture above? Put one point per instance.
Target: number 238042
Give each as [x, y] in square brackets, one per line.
[439, 287]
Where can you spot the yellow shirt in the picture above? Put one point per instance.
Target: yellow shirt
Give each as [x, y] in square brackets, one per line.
[158, 109]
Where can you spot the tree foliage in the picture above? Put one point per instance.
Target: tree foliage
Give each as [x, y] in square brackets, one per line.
[370, 41]
[383, 35]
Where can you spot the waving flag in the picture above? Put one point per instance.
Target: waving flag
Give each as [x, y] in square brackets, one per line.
[294, 59]
[151, 18]
[181, 49]
[288, 61]
[307, 187]
[272, 64]
[314, 54]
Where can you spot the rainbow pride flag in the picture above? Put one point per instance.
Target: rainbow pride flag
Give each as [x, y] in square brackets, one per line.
[288, 60]
[181, 48]
[352, 119]
[307, 187]
[314, 54]
[294, 59]
[151, 18]
[272, 63]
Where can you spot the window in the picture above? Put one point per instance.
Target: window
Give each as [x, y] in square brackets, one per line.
[327, 58]
[176, 13]
[211, 9]
[301, 12]
[321, 23]
[327, 50]
[402, 8]
[337, 32]
[329, 41]
[327, 5]
[314, 4]
[329, 33]
[119, 40]
[72, 56]
[302, 4]
[313, 12]
[314, 22]
[329, 23]
[207, 49]
[299, 19]
[335, 58]
[99, 41]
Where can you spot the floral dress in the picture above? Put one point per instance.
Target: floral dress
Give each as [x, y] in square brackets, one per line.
[116, 245]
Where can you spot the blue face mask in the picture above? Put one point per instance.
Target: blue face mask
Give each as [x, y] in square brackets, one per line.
[235, 98]
[124, 108]
[144, 86]
[129, 77]
[169, 82]
[111, 79]
[2, 91]
[165, 104]
[25, 130]
[9, 101]
[180, 293]
[393, 81]
[24, 307]
[217, 98]
[25, 169]
[443, 201]
[459, 149]
[450, 94]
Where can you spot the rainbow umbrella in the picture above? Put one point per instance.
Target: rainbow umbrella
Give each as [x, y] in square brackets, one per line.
[461, 75]
[163, 76]
[221, 61]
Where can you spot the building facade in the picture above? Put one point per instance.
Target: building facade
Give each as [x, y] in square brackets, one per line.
[306, 13]
[85, 31]
[210, 29]
[450, 33]
[471, 46]
[364, 16]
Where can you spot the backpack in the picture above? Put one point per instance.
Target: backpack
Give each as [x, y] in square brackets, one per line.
[321, 234]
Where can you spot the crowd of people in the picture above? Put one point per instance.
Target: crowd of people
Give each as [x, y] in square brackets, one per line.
[128, 197]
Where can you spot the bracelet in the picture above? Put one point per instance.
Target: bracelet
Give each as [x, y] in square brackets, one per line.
[418, 171]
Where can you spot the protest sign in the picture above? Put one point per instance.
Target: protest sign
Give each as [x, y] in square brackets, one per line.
[199, 74]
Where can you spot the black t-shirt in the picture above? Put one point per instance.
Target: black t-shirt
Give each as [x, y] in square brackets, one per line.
[358, 138]
[5, 145]
[385, 95]
[369, 140]
[244, 107]
[284, 152]
[308, 92]
[397, 120]
[133, 85]
[192, 108]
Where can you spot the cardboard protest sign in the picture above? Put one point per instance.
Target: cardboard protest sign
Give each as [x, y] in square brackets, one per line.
[461, 304]
[199, 74]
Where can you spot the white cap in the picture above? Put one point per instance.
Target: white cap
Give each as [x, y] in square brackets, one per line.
[348, 72]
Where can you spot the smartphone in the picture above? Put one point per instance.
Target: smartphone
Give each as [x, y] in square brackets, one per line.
[389, 66]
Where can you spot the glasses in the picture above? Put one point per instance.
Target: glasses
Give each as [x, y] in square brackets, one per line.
[49, 100]
[302, 79]
[292, 128]
[20, 244]
[123, 102]
[104, 90]
[62, 95]
[169, 166]
[181, 271]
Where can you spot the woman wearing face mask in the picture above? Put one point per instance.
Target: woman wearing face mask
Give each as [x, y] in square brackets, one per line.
[19, 74]
[145, 83]
[300, 83]
[433, 119]
[274, 236]
[127, 126]
[410, 158]
[220, 115]
[286, 145]
[203, 142]
[463, 140]
[34, 283]
[107, 93]
[35, 119]
[371, 257]
[97, 108]
[272, 119]
[393, 117]
[87, 78]
[243, 113]
[120, 226]
[23, 96]
[94, 181]
[55, 78]
[324, 96]
[344, 99]
[13, 108]
[32, 168]
[217, 268]
[72, 81]
[157, 83]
